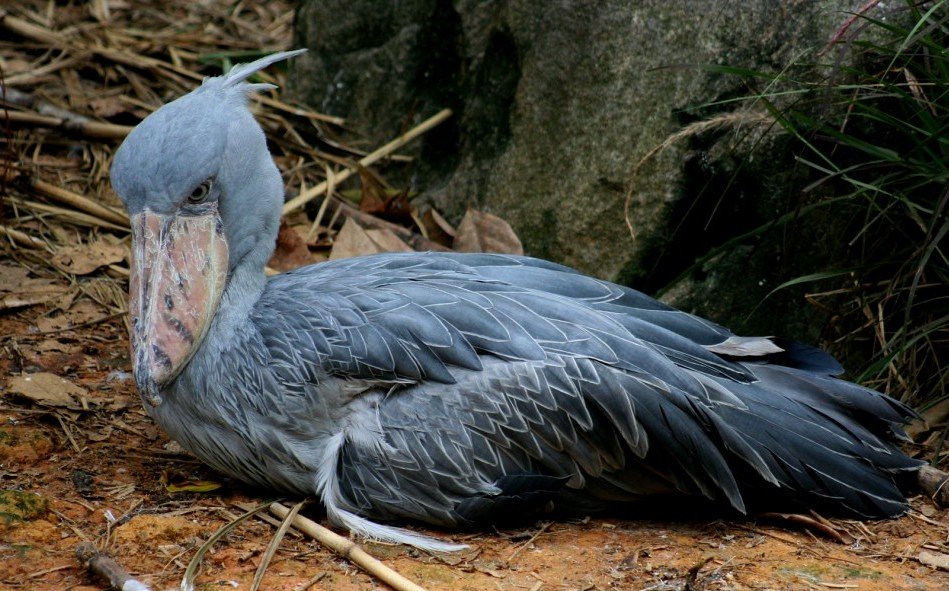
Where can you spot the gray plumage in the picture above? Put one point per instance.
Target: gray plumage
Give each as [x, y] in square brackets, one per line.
[458, 389]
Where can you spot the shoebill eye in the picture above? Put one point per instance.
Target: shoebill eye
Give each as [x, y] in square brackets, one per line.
[201, 192]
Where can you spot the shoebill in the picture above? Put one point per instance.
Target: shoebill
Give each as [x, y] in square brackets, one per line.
[456, 389]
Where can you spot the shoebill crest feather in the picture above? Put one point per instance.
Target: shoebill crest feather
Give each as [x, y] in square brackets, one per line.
[456, 389]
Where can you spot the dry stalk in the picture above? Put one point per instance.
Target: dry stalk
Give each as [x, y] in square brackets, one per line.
[347, 549]
[39, 73]
[274, 544]
[70, 215]
[30, 31]
[726, 120]
[22, 238]
[87, 129]
[78, 201]
[307, 196]
[299, 112]
[126, 58]
[523, 546]
[33, 103]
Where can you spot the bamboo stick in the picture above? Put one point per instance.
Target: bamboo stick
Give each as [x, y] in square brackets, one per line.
[371, 158]
[43, 72]
[78, 201]
[22, 238]
[282, 106]
[88, 129]
[71, 215]
[27, 29]
[347, 549]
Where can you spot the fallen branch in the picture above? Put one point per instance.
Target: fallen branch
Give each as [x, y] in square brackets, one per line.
[347, 549]
[935, 483]
[314, 192]
[108, 569]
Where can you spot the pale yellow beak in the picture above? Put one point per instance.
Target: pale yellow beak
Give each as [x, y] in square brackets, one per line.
[179, 269]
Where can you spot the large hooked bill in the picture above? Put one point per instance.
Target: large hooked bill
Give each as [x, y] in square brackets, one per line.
[179, 269]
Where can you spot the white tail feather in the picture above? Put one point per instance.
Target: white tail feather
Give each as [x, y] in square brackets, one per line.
[329, 494]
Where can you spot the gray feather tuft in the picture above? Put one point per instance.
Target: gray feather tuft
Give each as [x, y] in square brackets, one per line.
[241, 72]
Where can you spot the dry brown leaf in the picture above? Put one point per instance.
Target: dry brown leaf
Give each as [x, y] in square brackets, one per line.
[107, 106]
[99, 435]
[387, 240]
[80, 313]
[354, 240]
[83, 259]
[17, 290]
[372, 200]
[436, 227]
[12, 276]
[54, 346]
[291, 251]
[47, 389]
[934, 560]
[483, 232]
[442, 223]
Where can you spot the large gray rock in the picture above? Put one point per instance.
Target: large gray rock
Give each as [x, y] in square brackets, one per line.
[556, 101]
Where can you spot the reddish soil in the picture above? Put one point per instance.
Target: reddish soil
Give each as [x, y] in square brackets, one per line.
[97, 469]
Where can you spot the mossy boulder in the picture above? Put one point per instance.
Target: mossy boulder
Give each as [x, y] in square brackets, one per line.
[556, 102]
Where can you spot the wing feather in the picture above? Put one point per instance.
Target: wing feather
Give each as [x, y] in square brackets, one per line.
[520, 382]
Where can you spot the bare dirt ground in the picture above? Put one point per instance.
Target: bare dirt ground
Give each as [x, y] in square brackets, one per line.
[80, 461]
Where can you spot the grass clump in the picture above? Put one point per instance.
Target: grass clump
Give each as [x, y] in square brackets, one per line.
[867, 125]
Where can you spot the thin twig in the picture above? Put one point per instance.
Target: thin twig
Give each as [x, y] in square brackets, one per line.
[536, 535]
[825, 528]
[191, 572]
[347, 549]
[305, 586]
[274, 544]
